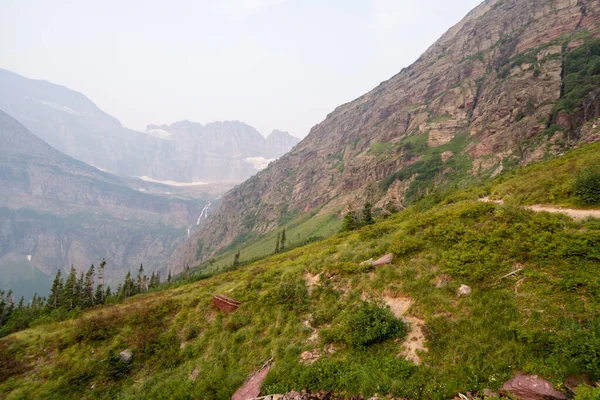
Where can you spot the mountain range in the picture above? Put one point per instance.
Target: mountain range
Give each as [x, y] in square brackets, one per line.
[56, 211]
[182, 152]
[512, 83]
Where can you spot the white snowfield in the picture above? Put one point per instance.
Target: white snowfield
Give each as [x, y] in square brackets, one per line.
[160, 133]
[171, 183]
[259, 163]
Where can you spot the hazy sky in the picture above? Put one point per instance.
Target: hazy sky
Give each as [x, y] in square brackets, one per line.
[275, 64]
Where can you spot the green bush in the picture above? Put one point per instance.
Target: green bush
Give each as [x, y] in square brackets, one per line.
[113, 367]
[365, 324]
[587, 393]
[96, 328]
[587, 186]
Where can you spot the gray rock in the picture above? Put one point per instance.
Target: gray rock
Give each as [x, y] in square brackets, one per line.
[387, 259]
[490, 393]
[126, 356]
[464, 290]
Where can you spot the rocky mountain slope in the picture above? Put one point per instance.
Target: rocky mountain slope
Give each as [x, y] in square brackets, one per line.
[56, 211]
[183, 152]
[513, 81]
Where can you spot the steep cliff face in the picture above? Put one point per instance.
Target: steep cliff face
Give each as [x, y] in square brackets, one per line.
[183, 152]
[497, 90]
[229, 151]
[56, 211]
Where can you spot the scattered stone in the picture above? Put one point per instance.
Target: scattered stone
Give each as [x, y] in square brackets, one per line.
[126, 356]
[194, 374]
[309, 357]
[224, 303]
[464, 290]
[387, 259]
[490, 393]
[442, 280]
[531, 387]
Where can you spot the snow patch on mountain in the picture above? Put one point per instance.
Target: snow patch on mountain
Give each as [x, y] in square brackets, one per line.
[171, 183]
[259, 163]
[160, 133]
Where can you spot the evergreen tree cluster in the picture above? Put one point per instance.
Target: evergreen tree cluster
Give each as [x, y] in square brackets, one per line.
[70, 295]
[353, 221]
[280, 244]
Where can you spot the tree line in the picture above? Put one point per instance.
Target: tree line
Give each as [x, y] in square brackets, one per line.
[70, 295]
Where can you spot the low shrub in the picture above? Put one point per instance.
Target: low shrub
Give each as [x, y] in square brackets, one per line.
[587, 186]
[365, 324]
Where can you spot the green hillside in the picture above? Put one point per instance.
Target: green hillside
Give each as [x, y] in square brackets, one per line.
[535, 280]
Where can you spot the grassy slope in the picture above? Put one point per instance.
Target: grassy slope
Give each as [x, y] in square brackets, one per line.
[544, 320]
[550, 182]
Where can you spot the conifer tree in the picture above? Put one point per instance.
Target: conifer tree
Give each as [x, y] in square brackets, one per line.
[107, 294]
[70, 292]
[128, 286]
[87, 294]
[99, 295]
[169, 277]
[56, 292]
[236, 259]
[282, 247]
[21, 301]
[277, 243]
[78, 291]
[349, 223]
[187, 272]
[3, 308]
[101, 279]
[367, 218]
[139, 287]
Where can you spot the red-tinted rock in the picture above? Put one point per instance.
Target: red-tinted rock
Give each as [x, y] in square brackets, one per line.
[530, 387]
[251, 389]
[224, 303]
[387, 259]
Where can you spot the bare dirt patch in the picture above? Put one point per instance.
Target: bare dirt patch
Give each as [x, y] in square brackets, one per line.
[415, 340]
[311, 281]
[576, 214]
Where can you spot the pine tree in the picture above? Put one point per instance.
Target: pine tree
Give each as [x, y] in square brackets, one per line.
[99, 295]
[128, 286]
[367, 214]
[56, 292]
[21, 301]
[236, 259]
[277, 243]
[349, 223]
[87, 294]
[78, 291]
[3, 307]
[169, 277]
[70, 292]
[107, 294]
[282, 247]
[157, 279]
[187, 272]
[139, 287]
[101, 279]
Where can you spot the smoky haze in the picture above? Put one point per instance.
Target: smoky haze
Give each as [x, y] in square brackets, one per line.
[274, 64]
